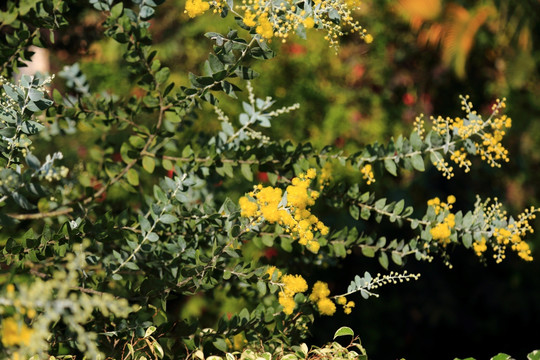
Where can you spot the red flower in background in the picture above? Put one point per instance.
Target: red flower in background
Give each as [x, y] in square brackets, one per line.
[270, 253]
[408, 99]
[295, 49]
[262, 176]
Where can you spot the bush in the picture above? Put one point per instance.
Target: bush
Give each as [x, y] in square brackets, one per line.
[125, 209]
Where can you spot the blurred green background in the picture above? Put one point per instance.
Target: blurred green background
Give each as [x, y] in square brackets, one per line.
[425, 53]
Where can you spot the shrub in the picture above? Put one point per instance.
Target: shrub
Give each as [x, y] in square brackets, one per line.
[120, 211]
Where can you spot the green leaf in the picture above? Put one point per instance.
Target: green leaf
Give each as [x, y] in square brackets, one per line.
[31, 127]
[396, 258]
[133, 177]
[399, 207]
[220, 344]
[354, 211]
[467, 240]
[117, 10]
[152, 237]
[365, 213]
[163, 75]
[167, 164]
[535, 355]
[343, 331]
[246, 73]
[148, 164]
[168, 219]
[418, 162]
[383, 260]
[158, 349]
[416, 141]
[390, 166]
[261, 286]
[151, 329]
[246, 171]
[368, 251]
[502, 356]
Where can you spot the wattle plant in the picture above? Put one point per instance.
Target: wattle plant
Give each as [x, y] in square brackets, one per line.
[118, 212]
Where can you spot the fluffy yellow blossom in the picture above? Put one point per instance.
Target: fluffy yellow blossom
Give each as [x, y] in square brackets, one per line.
[247, 208]
[265, 28]
[293, 284]
[368, 38]
[320, 291]
[15, 333]
[480, 246]
[342, 300]
[313, 246]
[294, 216]
[196, 7]
[326, 306]
[287, 302]
[441, 232]
[249, 19]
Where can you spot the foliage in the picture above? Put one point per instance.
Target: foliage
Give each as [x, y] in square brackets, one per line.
[104, 247]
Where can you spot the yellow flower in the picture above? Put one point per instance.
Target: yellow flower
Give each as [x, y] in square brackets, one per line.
[249, 19]
[480, 246]
[368, 38]
[309, 23]
[326, 306]
[287, 302]
[368, 175]
[314, 246]
[320, 291]
[15, 333]
[342, 300]
[196, 7]
[293, 284]
[247, 208]
[265, 28]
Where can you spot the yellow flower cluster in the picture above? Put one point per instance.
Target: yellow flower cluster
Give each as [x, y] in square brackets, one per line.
[439, 206]
[509, 235]
[271, 19]
[15, 332]
[267, 204]
[480, 246]
[196, 7]
[326, 175]
[486, 135]
[460, 158]
[500, 232]
[512, 236]
[347, 305]
[319, 295]
[367, 174]
[441, 232]
[292, 284]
